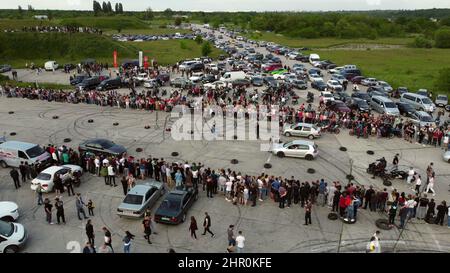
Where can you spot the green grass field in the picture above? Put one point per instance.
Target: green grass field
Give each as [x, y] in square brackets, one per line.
[19, 24]
[152, 31]
[323, 42]
[411, 67]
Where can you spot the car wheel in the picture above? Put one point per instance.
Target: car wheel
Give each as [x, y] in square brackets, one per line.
[7, 219]
[3, 164]
[183, 218]
[280, 154]
[311, 137]
[287, 134]
[11, 249]
[309, 157]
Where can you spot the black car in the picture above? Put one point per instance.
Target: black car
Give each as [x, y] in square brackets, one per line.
[302, 58]
[101, 146]
[319, 85]
[342, 96]
[257, 81]
[240, 83]
[208, 78]
[375, 88]
[109, 84]
[359, 104]
[5, 68]
[78, 79]
[174, 207]
[197, 67]
[360, 95]
[405, 109]
[89, 83]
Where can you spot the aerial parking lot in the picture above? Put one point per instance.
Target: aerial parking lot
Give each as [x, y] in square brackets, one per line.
[173, 146]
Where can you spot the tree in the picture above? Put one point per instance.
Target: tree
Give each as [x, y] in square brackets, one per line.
[198, 39]
[49, 14]
[178, 21]
[442, 37]
[116, 8]
[168, 13]
[109, 7]
[148, 14]
[442, 82]
[96, 7]
[206, 48]
[422, 42]
[120, 8]
[20, 10]
[30, 8]
[104, 7]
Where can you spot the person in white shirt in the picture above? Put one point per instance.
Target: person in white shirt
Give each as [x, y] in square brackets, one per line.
[97, 165]
[105, 162]
[430, 186]
[221, 181]
[418, 184]
[331, 190]
[111, 176]
[377, 242]
[260, 188]
[228, 186]
[410, 175]
[240, 242]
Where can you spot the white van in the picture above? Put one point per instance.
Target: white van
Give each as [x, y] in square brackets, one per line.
[314, 58]
[419, 102]
[232, 76]
[14, 152]
[51, 65]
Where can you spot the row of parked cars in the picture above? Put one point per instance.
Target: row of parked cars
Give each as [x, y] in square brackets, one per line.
[150, 37]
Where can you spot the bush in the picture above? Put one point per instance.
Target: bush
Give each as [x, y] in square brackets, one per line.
[442, 37]
[206, 49]
[422, 42]
[199, 39]
[442, 82]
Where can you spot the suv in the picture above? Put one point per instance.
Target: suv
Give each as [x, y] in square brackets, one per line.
[110, 84]
[89, 83]
[419, 102]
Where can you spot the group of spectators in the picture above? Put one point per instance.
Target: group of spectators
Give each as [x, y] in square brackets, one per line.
[60, 29]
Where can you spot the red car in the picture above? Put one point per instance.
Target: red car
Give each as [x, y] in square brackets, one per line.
[357, 79]
[272, 67]
[339, 106]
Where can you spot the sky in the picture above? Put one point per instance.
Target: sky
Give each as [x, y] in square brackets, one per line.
[235, 5]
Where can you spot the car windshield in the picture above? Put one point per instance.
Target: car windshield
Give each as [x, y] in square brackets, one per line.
[441, 97]
[35, 151]
[426, 101]
[390, 105]
[426, 118]
[287, 144]
[44, 176]
[106, 144]
[133, 199]
[170, 204]
[362, 103]
[6, 229]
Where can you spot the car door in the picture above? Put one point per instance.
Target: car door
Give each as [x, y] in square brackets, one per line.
[302, 150]
[290, 150]
[306, 131]
[22, 157]
[152, 197]
[147, 199]
[297, 131]
[185, 203]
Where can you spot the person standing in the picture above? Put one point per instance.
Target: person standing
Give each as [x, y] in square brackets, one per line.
[108, 238]
[393, 212]
[240, 241]
[48, 210]
[410, 176]
[308, 209]
[193, 227]
[90, 206]
[418, 184]
[112, 176]
[15, 176]
[146, 225]
[423, 203]
[207, 225]
[430, 186]
[403, 215]
[23, 172]
[79, 203]
[282, 193]
[430, 211]
[231, 239]
[39, 194]
[124, 182]
[127, 241]
[377, 241]
[90, 232]
[441, 211]
[395, 162]
[59, 205]
[88, 248]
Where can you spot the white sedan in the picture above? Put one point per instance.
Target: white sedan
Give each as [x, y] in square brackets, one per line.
[12, 237]
[197, 76]
[369, 82]
[327, 96]
[334, 85]
[46, 177]
[9, 211]
[215, 85]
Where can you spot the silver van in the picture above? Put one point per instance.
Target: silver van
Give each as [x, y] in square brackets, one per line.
[14, 152]
[384, 105]
[419, 102]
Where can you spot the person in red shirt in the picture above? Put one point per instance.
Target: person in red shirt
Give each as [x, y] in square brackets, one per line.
[343, 203]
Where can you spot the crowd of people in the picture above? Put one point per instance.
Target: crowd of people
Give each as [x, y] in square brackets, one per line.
[59, 29]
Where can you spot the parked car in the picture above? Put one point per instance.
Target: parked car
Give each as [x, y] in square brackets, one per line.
[101, 146]
[78, 79]
[319, 85]
[110, 84]
[9, 211]
[51, 65]
[299, 84]
[386, 87]
[215, 85]
[141, 197]
[419, 102]
[46, 178]
[5, 68]
[357, 79]
[360, 105]
[423, 92]
[310, 131]
[441, 100]
[180, 83]
[338, 77]
[12, 153]
[334, 85]
[296, 148]
[175, 206]
[240, 83]
[338, 106]
[89, 83]
[12, 237]
[361, 95]
[327, 96]
[369, 82]
[405, 109]
[342, 96]
[384, 105]
[422, 118]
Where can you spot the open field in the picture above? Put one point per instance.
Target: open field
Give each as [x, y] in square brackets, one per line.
[323, 42]
[411, 67]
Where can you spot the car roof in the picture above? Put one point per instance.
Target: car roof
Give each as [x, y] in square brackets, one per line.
[53, 169]
[96, 140]
[17, 145]
[304, 124]
[140, 189]
[302, 142]
[422, 113]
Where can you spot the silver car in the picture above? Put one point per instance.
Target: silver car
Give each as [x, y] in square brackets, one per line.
[441, 100]
[302, 129]
[446, 156]
[139, 198]
[422, 118]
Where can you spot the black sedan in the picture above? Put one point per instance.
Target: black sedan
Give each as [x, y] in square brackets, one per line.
[174, 208]
[319, 85]
[360, 95]
[101, 146]
[405, 109]
[257, 81]
[360, 105]
[5, 68]
[78, 79]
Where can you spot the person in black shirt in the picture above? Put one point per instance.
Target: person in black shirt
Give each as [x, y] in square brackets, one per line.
[69, 185]
[393, 212]
[59, 211]
[15, 176]
[295, 191]
[395, 162]
[430, 211]
[23, 172]
[88, 248]
[441, 211]
[368, 196]
[108, 238]
[90, 232]
[48, 210]
[207, 225]
[423, 203]
[147, 229]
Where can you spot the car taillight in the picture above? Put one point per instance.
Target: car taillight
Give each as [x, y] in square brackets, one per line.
[173, 219]
[44, 185]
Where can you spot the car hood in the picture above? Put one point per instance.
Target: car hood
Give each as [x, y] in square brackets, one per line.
[446, 155]
[117, 149]
[7, 207]
[166, 212]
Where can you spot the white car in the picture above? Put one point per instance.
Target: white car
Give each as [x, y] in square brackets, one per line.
[293, 55]
[51, 65]
[150, 83]
[215, 85]
[47, 176]
[386, 86]
[9, 211]
[335, 70]
[446, 156]
[296, 148]
[327, 96]
[334, 85]
[213, 67]
[141, 77]
[315, 78]
[280, 76]
[369, 82]
[196, 77]
[12, 237]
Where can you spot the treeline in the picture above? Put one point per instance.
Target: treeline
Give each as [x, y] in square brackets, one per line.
[106, 8]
